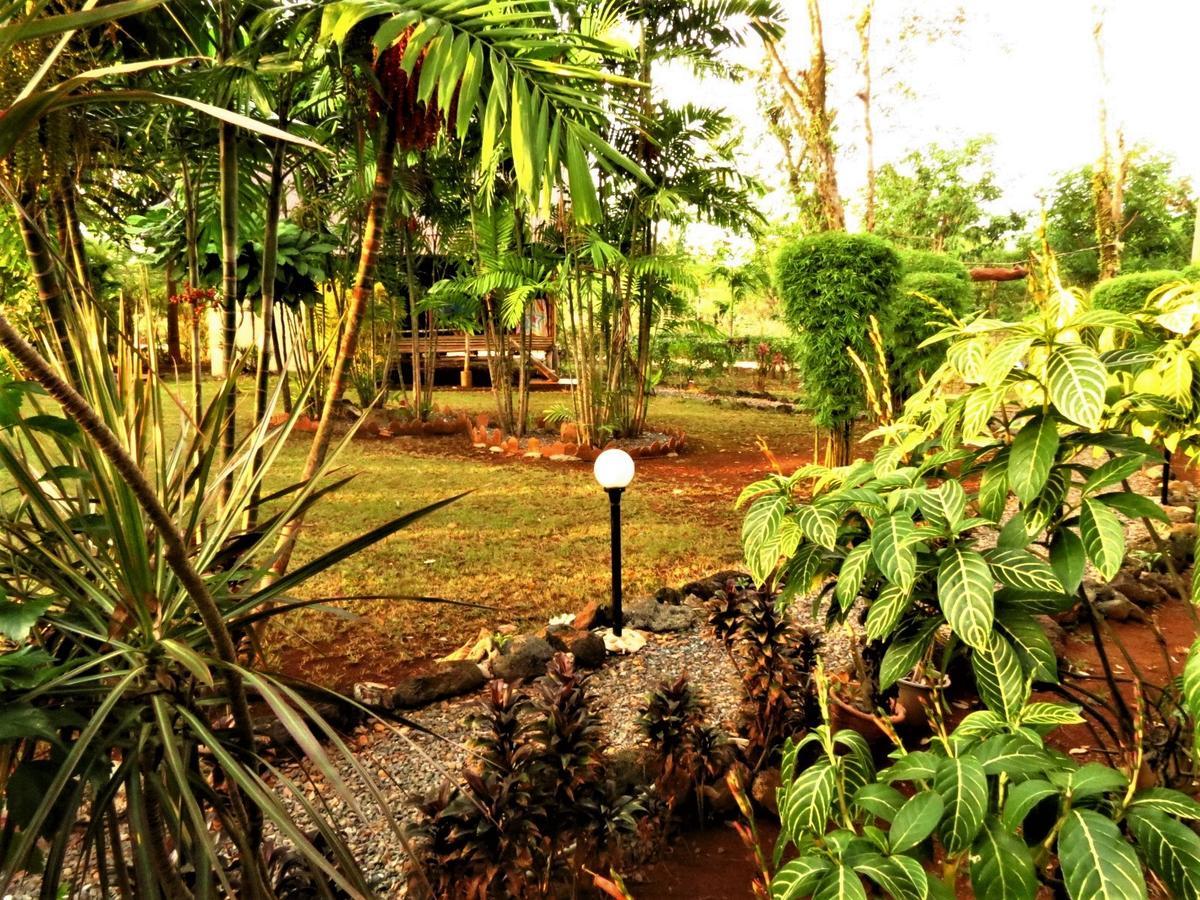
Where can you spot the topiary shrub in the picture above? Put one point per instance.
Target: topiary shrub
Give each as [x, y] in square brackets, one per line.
[1191, 273]
[830, 283]
[912, 318]
[1128, 293]
[915, 261]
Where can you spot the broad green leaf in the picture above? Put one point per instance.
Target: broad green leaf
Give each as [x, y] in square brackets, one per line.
[920, 765]
[840, 884]
[1175, 803]
[1171, 848]
[976, 725]
[819, 524]
[1077, 379]
[799, 877]
[892, 538]
[1097, 863]
[965, 589]
[999, 678]
[978, 407]
[1134, 506]
[1032, 457]
[1001, 865]
[851, 575]
[1031, 643]
[885, 611]
[1022, 798]
[1068, 559]
[809, 800]
[1094, 779]
[1022, 570]
[880, 800]
[944, 506]
[1103, 537]
[1047, 505]
[1003, 357]
[900, 877]
[760, 534]
[586, 203]
[993, 491]
[1012, 754]
[915, 821]
[963, 787]
[1050, 714]
[906, 649]
[1112, 472]
[1191, 680]
[18, 619]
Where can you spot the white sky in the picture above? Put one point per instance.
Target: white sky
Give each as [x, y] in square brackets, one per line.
[1023, 71]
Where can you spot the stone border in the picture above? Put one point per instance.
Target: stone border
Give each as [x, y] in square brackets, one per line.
[484, 436]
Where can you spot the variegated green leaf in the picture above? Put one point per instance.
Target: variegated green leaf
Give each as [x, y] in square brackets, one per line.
[999, 678]
[906, 649]
[1103, 537]
[885, 611]
[993, 491]
[1050, 714]
[1022, 570]
[1001, 865]
[900, 877]
[1112, 472]
[1097, 863]
[1031, 643]
[820, 525]
[1032, 457]
[841, 883]
[965, 591]
[915, 820]
[892, 538]
[809, 800]
[799, 877]
[1171, 848]
[851, 575]
[1077, 379]
[1175, 803]
[1022, 798]
[944, 506]
[964, 791]
[1003, 357]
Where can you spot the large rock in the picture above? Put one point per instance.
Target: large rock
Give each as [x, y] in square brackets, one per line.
[648, 614]
[587, 648]
[704, 588]
[1140, 589]
[1182, 544]
[524, 657]
[594, 615]
[448, 680]
[670, 595]
[764, 789]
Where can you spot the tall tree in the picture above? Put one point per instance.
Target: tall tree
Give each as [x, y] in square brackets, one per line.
[863, 27]
[1110, 171]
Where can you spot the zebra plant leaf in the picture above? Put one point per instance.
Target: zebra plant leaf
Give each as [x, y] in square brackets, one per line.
[819, 525]
[1022, 570]
[963, 787]
[1171, 849]
[1077, 379]
[892, 538]
[965, 591]
[1001, 865]
[841, 883]
[851, 576]
[1103, 537]
[885, 612]
[1097, 863]
[1032, 457]
[798, 878]
[999, 678]
[915, 821]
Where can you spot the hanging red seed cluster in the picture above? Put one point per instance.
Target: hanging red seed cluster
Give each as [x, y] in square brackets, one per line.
[417, 123]
[196, 297]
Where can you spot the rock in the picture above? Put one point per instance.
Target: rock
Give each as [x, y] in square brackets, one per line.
[447, 680]
[476, 650]
[587, 648]
[1120, 608]
[704, 588]
[594, 615]
[1055, 633]
[1182, 544]
[763, 790]
[648, 614]
[631, 769]
[1141, 591]
[1179, 513]
[524, 657]
[372, 693]
[669, 595]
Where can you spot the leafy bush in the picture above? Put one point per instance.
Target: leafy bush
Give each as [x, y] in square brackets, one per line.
[914, 261]
[682, 356]
[123, 701]
[1190, 273]
[912, 318]
[830, 283]
[1128, 293]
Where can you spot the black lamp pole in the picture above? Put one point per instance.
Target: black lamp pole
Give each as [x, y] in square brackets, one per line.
[614, 509]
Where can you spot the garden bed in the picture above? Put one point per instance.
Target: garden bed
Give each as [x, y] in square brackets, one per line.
[563, 445]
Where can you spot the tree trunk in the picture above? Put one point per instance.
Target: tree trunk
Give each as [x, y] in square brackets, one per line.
[373, 232]
[227, 152]
[41, 264]
[193, 267]
[174, 350]
[833, 214]
[1108, 187]
[864, 41]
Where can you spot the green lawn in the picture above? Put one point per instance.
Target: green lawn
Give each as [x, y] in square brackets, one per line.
[531, 539]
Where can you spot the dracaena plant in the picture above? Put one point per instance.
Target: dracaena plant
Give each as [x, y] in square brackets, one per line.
[989, 802]
[126, 751]
[1025, 450]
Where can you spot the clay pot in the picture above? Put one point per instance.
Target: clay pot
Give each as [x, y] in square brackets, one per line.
[914, 698]
[845, 715]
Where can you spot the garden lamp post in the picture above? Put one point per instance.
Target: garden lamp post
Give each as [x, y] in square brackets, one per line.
[614, 471]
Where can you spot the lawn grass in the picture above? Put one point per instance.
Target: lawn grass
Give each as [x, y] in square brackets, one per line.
[531, 539]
